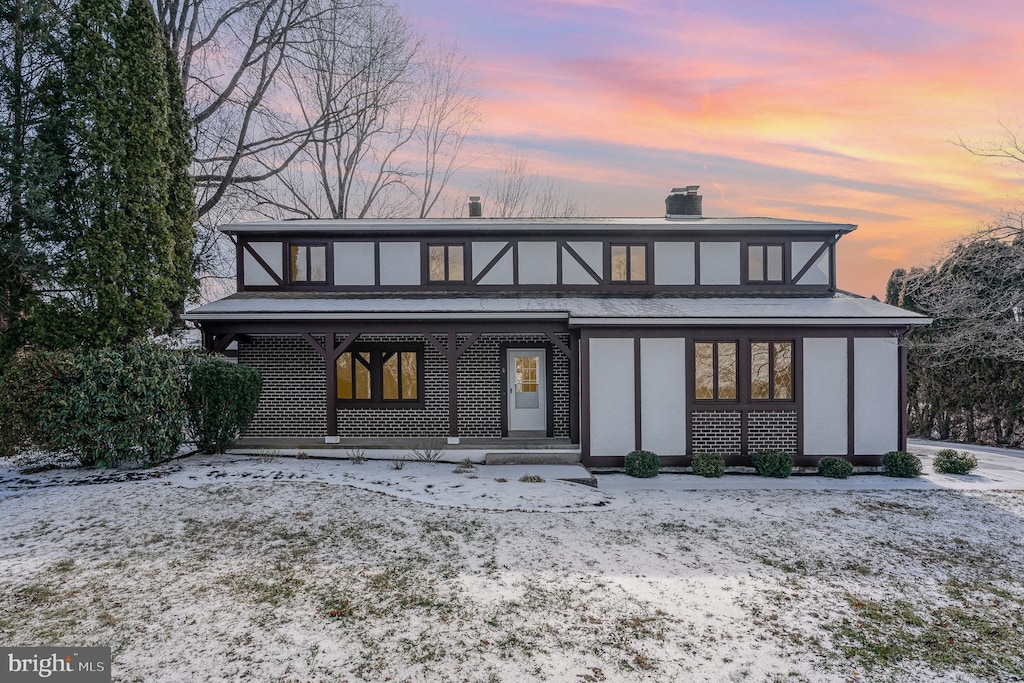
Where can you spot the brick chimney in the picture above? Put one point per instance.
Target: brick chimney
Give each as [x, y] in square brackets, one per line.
[683, 202]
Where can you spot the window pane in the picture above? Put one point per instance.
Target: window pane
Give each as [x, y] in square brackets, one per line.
[409, 376]
[755, 263]
[456, 262]
[637, 263]
[726, 370]
[363, 376]
[344, 366]
[704, 371]
[618, 264]
[436, 264]
[783, 370]
[390, 369]
[760, 371]
[318, 264]
[775, 263]
[298, 263]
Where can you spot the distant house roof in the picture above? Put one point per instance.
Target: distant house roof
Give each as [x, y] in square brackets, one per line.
[840, 310]
[476, 226]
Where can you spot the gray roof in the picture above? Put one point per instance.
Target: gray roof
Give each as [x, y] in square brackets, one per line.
[527, 225]
[842, 309]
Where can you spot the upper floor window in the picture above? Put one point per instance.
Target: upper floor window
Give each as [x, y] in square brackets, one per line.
[381, 375]
[771, 371]
[764, 263]
[629, 263]
[307, 262]
[714, 371]
[446, 263]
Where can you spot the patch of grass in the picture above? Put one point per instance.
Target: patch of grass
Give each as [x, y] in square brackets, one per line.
[64, 566]
[979, 636]
[532, 479]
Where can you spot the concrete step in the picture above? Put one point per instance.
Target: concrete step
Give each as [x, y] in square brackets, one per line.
[539, 457]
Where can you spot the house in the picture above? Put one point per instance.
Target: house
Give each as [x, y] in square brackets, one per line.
[680, 335]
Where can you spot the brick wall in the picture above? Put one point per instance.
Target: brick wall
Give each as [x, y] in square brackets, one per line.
[716, 431]
[293, 401]
[771, 430]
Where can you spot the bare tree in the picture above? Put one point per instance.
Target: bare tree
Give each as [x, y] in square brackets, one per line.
[515, 192]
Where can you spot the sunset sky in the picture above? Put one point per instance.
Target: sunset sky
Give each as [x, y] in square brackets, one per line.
[813, 109]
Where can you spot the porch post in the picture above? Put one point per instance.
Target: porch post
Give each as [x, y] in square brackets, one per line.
[452, 352]
[330, 352]
[574, 387]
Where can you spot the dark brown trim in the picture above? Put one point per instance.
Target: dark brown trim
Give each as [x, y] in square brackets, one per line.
[549, 382]
[851, 405]
[584, 346]
[265, 266]
[377, 351]
[902, 402]
[798, 374]
[638, 414]
[574, 387]
[807, 266]
[452, 352]
[376, 263]
[492, 263]
[580, 260]
[286, 268]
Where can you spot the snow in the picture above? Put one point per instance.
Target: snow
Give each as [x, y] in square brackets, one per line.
[216, 568]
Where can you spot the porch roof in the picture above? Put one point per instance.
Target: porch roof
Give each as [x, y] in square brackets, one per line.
[578, 311]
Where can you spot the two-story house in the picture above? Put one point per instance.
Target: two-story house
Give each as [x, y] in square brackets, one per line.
[679, 335]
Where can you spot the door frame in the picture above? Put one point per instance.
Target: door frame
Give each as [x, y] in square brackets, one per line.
[549, 398]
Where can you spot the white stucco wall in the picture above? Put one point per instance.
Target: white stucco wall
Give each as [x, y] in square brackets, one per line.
[612, 408]
[591, 252]
[663, 396]
[720, 263]
[817, 274]
[255, 274]
[400, 263]
[483, 252]
[875, 396]
[825, 396]
[537, 263]
[673, 263]
[353, 263]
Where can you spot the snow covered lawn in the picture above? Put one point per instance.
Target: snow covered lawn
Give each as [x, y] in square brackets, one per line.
[302, 570]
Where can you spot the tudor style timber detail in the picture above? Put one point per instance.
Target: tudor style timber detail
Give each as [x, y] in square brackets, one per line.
[679, 335]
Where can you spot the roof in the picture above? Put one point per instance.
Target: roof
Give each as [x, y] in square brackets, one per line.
[840, 310]
[475, 226]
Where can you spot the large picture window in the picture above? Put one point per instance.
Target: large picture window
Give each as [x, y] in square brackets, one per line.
[771, 371]
[714, 371]
[385, 375]
[307, 263]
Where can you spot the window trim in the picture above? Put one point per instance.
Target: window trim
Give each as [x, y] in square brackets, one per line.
[377, 351]
[307, 244]
[771, 370]
[714, 372]
[466, 279]
[646, 246]
[763, 246]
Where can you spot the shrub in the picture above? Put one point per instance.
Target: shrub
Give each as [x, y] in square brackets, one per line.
[708, 465]
[222, 400]
[949, 461]
[773, 463]
[114, 405]
[834, 468]
[901, 464]
[23, 386]
[642, 464]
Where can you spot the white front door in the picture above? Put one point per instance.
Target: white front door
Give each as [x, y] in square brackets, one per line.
[526, 390]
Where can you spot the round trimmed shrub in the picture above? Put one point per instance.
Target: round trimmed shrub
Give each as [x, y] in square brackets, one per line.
[642, 464]
[708, 465]
[774, 463]
[834, 468]
[901, 464]
[222, 400]
[949, 461]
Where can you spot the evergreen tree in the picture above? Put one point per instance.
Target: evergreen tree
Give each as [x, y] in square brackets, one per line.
[120, 219]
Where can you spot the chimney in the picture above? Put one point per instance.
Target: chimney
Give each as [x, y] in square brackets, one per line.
[683, 202]
[476, 209]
